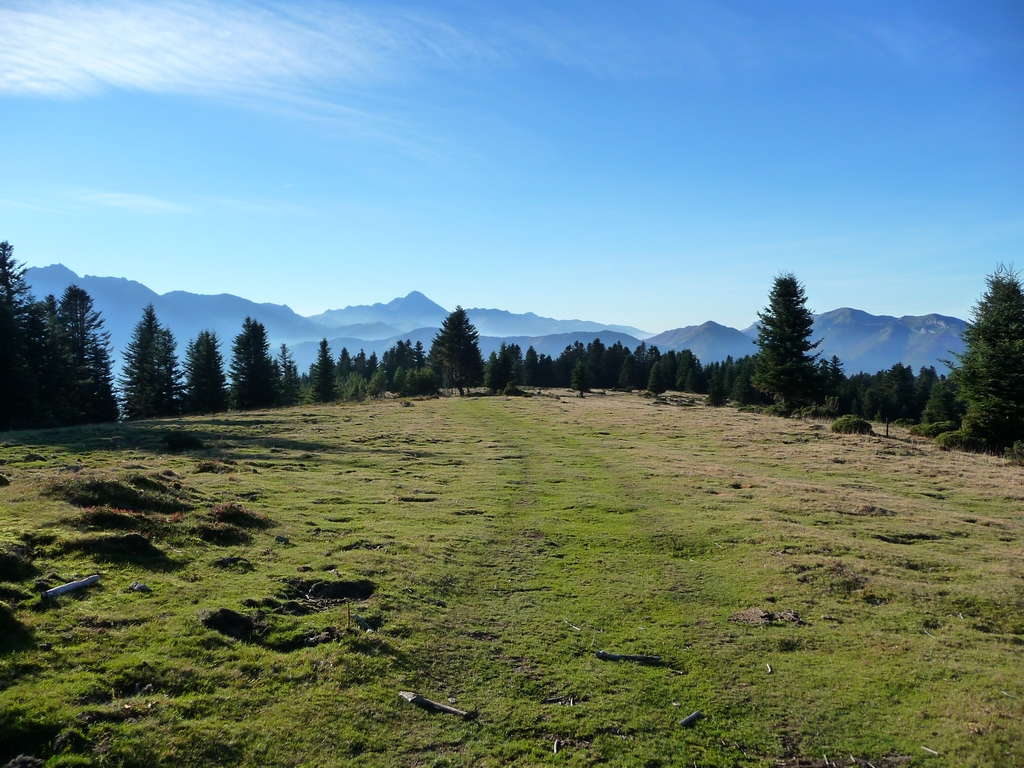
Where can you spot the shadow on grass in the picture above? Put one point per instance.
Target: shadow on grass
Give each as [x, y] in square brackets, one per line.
[152, 436]
[133, 548]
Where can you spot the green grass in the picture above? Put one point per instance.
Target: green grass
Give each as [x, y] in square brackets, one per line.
[507, 540]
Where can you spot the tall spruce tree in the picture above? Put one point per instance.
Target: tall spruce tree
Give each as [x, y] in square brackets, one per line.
[253, 374]
[989, 373]
[785, 367]
[291, 384]
[16, 379]
[88, 378]
[322, 375]
[456, 350]
[151, 380]
[206, 386]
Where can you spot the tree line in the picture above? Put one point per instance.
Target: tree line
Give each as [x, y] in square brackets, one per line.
[55, 367]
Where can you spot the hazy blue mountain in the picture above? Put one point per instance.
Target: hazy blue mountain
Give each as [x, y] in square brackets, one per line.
[403, 314]
[417, 311]
[861, 340]
[121, 302]
[871, 343]
[499, 322]
[710, 342]
[552, 344]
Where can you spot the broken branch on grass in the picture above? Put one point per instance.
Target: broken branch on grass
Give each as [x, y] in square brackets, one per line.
[362, 623]
[572, 625]
[71, 586]
[420, 701]
[639, 658]
[691, 719]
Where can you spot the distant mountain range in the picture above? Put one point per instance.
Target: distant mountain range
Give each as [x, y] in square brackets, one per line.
[862, 341]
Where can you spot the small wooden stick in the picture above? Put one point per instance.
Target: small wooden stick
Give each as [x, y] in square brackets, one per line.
[691, 719]
[420, 701]
[362, 623]
[71, 586]
[572, 625]
[929, 751]
[769, 668]
[605, 656]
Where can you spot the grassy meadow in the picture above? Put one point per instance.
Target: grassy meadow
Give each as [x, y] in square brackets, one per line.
[822, 599]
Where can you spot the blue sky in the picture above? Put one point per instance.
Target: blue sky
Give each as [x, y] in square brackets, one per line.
[642, 163]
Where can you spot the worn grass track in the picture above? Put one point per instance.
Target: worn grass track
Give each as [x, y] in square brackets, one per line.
[506, 541]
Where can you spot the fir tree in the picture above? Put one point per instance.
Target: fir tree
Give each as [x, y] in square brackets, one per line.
[456, 350]
[785, 367]
[656, 380]
[290, 385]
[16, 380]
[322, 375]
[89, 381]
[580, 382]
[150, 381]
[989, 373]
[206, 389]
[253, 374]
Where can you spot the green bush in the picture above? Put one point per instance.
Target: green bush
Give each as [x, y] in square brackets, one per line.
[179, 441]
[1015, 453]
[851, 425]
[958, 440]
[934, 430]
[905, 423]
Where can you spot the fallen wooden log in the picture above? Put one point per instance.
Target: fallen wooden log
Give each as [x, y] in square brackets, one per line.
[420, 701]
[639, 658]
[71, 586]
[362, 623]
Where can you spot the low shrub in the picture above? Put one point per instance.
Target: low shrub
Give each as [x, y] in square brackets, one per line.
[905, 422]
[851, 425]
[1015, 453]
[958, 440]
[511, 390]
[179, 441]
[934, 429]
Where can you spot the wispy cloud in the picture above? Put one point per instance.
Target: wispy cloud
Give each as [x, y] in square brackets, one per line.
[129, 201]
[67, 48]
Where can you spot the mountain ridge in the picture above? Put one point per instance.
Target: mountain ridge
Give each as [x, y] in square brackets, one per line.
[862, 341]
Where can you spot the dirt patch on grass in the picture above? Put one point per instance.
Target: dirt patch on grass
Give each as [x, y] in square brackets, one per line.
[233, 513]
[15, 565]
[761, 617]
[134, 493]
[217, 466]
[131, 546]
[232, 623]
[224, 534]
[234, 563]
[360, 589]
[105, 518]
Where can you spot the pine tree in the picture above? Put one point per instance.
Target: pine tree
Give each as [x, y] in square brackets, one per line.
[322, 375]
[151, 380]
[785, 369]
[206, 387]
[290, 385]
[656, 380]
[456, 349]
[989, 373]
[530, 367]
[344, 367]
[253, 374]
[89, 381]
[16, 380]
[942, 404]
[580, 381]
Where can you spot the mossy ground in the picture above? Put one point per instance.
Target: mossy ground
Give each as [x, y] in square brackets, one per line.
[506, 540]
